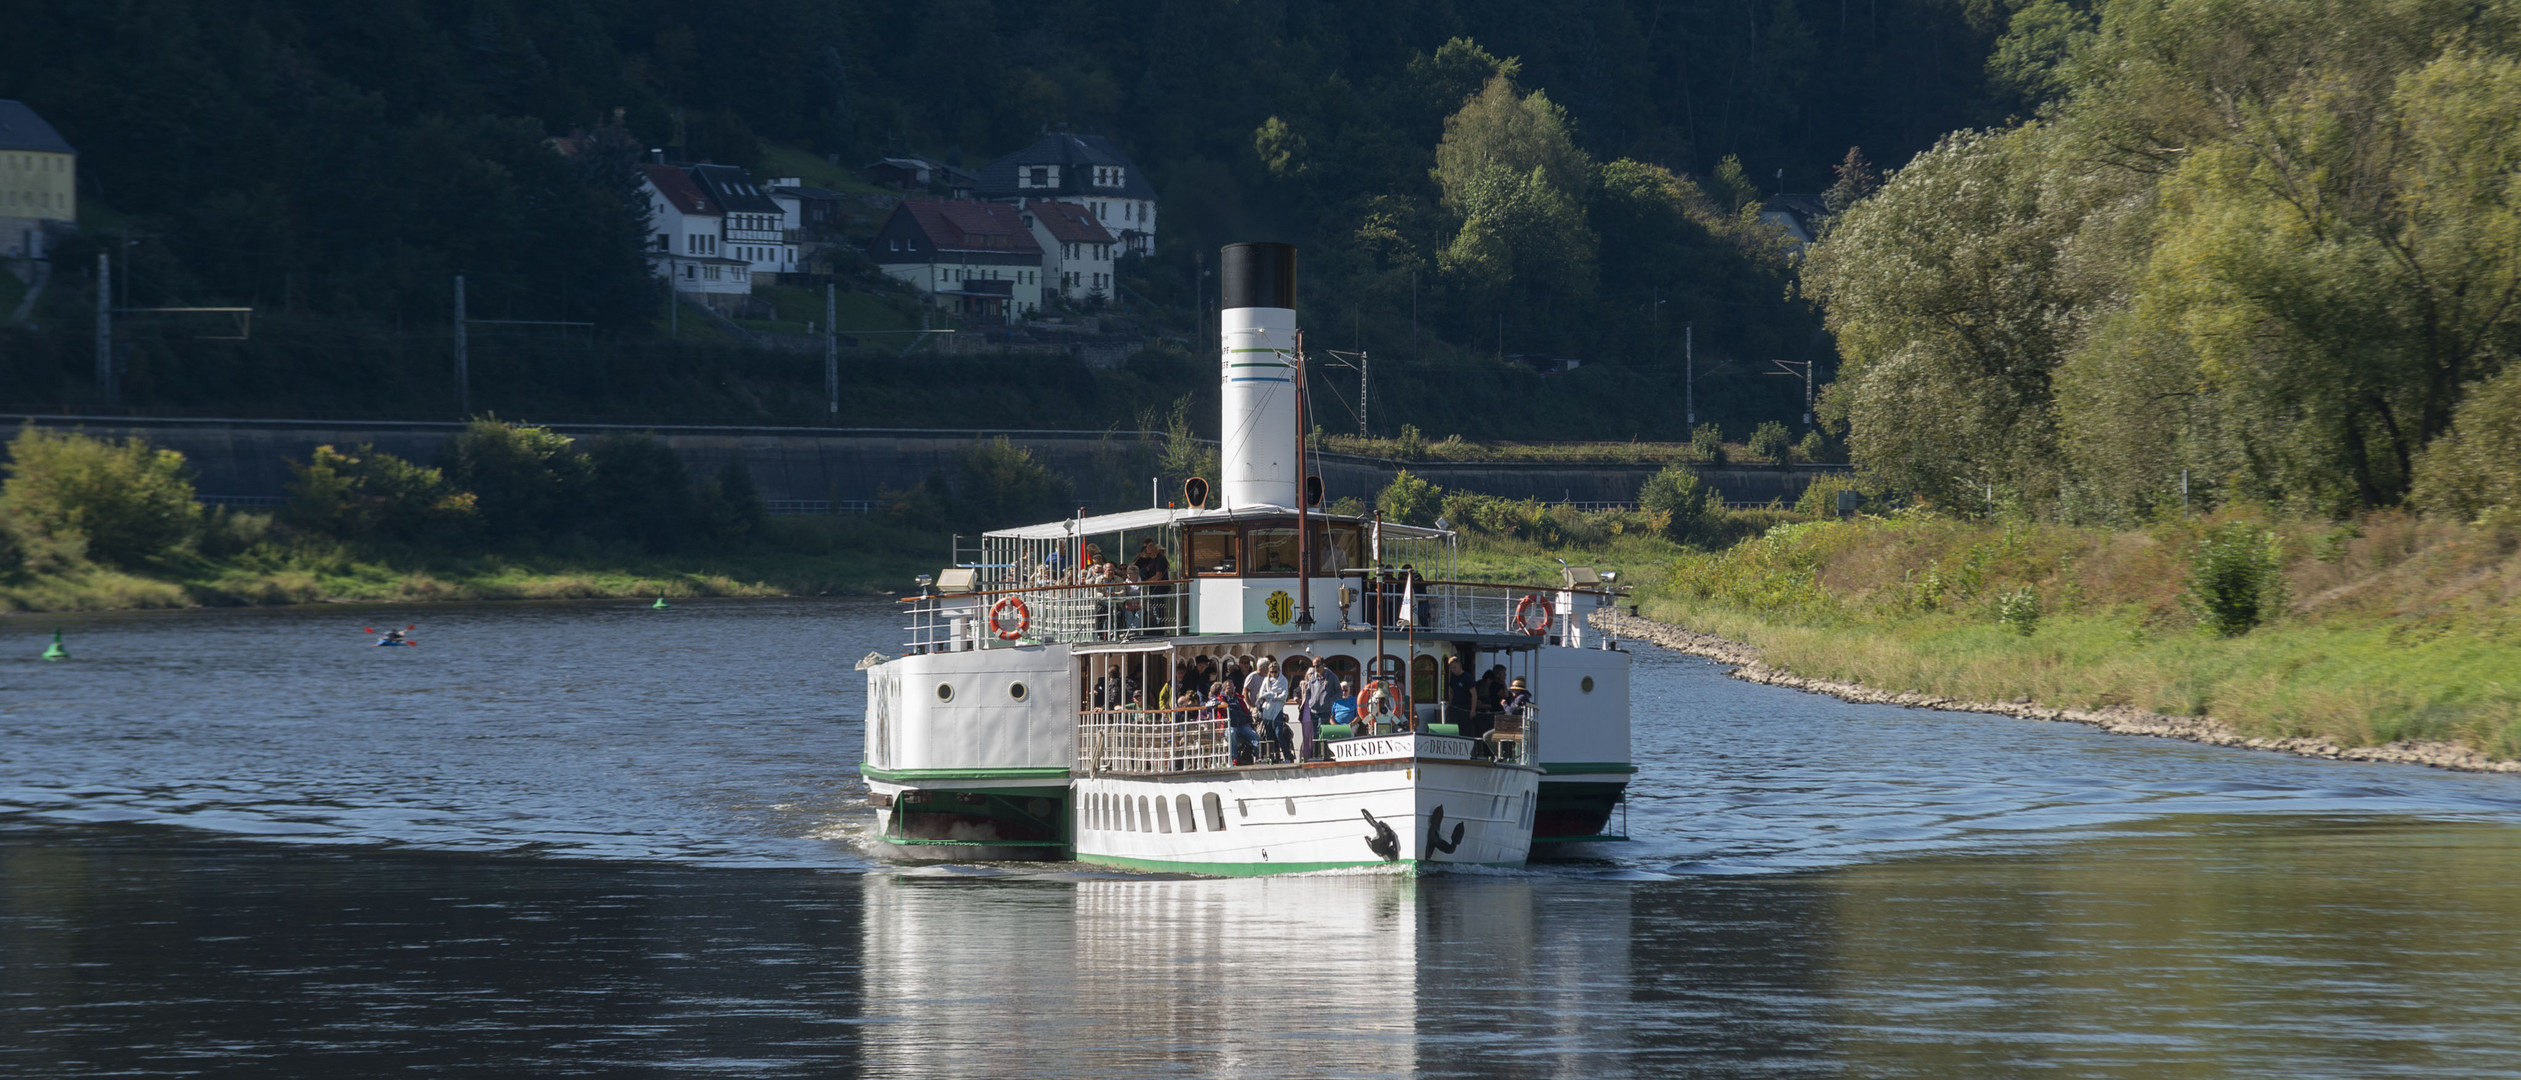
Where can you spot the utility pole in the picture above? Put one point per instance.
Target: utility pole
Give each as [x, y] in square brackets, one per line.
[673, 309]
[463, 376]
[1804, 369]
[105, 327]
[831, 348]
[1689, 376]
[1365, 380]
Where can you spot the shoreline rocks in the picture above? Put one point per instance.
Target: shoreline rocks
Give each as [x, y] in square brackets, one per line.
[1748, 666]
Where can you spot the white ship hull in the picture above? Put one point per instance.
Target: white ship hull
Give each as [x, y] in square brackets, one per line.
[1409, 813]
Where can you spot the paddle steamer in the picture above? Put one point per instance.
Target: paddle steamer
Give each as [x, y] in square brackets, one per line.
[1032, 715]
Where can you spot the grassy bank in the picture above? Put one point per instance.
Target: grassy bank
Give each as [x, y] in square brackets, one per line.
[796, 556]
[2391, 628]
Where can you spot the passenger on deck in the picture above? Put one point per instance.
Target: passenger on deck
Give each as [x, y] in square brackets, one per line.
[1153, 569]
[1238, 716]
[1492, 689]
[1313, 709]
[1267, 692]
[1344, 704]
[1518, 699]
[1461, 691]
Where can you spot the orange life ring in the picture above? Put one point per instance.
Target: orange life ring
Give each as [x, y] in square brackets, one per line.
[1400, 708]
[1523, 610]
[997, 621]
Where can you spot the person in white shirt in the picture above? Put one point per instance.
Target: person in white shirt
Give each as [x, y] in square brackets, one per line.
[1266, 690]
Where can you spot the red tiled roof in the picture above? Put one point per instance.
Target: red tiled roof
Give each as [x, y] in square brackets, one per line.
[678, 188]
[972, 226]
[1070, 222]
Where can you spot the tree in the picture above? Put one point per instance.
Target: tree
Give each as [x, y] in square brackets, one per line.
[1502, 130]
[130, 502]
[1856, 179]
[529, 481]
[1948, 301]
[638, 491]
[1770, 442]
[2475, 469]
[1409, 500]
[367, 493]
[1510, 167]
[1676, 499]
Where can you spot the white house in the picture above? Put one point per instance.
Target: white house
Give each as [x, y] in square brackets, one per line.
[756, 229]
[687, 235]
[976, 259]
[1077, 250]
[1083, 169]
[39, 183]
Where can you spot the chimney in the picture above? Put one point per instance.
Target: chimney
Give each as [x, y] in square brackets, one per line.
[1256, 365]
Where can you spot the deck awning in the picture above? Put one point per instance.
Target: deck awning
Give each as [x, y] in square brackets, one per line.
[1135, 520]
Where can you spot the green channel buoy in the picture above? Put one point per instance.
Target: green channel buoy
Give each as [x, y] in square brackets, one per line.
[54, 651]
[660, 605]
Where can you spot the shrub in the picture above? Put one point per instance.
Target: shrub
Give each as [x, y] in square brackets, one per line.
[2019, 610]
[1820, 497]
[638, 491]
[1676, 500]
[2475, 468]
[1707, 444]
[1814, 446]
[1410, 500]
[1770, 443]
[367, 493]
[2234, 579]
[999, 484]
[127, 501]
[1413, 443]
[528, 481]
[730, 506]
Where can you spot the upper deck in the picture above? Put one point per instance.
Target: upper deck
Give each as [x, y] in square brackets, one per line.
[1096, 579]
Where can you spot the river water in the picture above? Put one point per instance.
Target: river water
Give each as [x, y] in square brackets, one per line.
[590, 838]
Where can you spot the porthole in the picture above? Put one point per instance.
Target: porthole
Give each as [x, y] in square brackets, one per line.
[945, 691]
[1016, 691]
[1586, 685]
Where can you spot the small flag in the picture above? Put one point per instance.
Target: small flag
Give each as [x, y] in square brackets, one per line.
[1409, 591]
[1377, 538]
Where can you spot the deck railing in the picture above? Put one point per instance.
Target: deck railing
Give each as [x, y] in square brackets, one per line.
[1472, 607]
[1151, 741]
[1079, 614]
[959, 622]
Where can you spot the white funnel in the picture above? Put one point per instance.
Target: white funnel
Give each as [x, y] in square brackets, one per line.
[1256, 436]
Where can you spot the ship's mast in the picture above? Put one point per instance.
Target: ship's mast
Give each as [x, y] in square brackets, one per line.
[1304, 496]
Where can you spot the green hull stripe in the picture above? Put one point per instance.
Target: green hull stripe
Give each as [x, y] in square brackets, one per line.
[908, 841]
[1257, 869]
[903, 776]
[1581, 767]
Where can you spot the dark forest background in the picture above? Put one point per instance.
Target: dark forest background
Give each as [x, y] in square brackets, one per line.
[335, 166]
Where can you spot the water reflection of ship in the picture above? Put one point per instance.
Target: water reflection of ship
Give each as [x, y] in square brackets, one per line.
[1300, 975]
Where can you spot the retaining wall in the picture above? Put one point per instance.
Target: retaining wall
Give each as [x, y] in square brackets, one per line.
[249, 458]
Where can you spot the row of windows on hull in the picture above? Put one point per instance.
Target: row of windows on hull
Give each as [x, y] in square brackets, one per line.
[1111, 812]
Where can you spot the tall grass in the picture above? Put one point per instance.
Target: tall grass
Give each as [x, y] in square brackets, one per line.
[2391, 628]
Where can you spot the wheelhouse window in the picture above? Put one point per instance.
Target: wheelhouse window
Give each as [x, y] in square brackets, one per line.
[1273, 551]
[1213, 551]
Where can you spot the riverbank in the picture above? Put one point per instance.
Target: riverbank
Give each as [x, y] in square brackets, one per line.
[2389, 639]
[1749, 667]
[801, 556]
